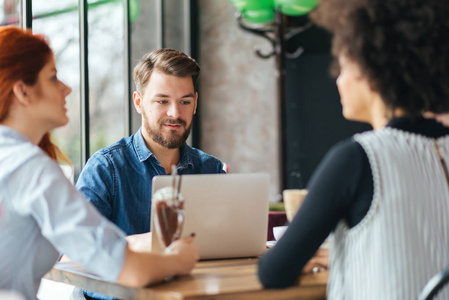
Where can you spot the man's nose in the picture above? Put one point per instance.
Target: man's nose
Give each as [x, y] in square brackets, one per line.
[173, 111]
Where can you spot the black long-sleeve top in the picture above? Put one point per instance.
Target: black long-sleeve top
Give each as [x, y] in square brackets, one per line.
[340, 189]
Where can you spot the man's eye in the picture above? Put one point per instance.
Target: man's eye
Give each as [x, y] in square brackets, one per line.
[185, 102]
[161, 101]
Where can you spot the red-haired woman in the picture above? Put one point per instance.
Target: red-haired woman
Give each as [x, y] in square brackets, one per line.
[42, 213]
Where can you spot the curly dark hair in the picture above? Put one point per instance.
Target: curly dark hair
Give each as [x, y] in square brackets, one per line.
[401, 46]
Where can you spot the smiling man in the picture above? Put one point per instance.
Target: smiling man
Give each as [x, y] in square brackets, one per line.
[117, 179]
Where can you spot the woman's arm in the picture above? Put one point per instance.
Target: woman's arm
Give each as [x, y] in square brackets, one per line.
[342, 179]
[76, 228]
[143, 268]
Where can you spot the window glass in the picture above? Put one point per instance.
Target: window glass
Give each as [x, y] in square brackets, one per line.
[176, 31]
[145, 30]
[108, 99]
[59, 21]
[10, 12]
[61, 27]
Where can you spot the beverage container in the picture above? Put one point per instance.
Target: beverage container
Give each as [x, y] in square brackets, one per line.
[168, 215]
[293, 199]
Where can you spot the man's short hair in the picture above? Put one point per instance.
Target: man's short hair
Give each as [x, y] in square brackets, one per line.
[168, 61]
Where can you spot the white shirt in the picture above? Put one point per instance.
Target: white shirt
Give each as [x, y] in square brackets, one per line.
[42, 215]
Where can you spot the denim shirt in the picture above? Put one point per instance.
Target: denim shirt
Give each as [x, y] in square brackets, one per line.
[117, 180]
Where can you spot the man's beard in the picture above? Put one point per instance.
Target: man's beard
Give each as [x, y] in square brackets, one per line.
[170, 141]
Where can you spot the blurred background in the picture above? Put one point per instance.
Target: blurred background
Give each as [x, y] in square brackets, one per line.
[278, 114]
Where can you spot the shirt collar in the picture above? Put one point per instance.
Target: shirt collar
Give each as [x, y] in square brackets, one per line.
[10, 132]
[427, 127]
[143, 153]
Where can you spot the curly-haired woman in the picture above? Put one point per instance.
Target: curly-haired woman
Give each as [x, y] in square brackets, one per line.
[383, 193]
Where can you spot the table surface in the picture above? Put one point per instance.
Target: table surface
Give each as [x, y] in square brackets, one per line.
[215, 279]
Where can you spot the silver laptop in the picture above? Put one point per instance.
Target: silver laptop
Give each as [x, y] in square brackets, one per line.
[227, 212]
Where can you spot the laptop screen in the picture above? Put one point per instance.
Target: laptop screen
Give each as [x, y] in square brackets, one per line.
[227, 212]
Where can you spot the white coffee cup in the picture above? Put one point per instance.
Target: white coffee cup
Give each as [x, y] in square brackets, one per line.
[279, 231]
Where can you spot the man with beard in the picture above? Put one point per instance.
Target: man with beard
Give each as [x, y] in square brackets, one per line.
[117, 179]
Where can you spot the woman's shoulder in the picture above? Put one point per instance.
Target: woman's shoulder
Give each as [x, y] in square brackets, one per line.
[343, 164]
[19, 155]
[348, 149]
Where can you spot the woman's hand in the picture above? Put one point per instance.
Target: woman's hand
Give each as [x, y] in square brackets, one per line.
[141, 268]
[185, 252]
[140, 242]
[320, 260]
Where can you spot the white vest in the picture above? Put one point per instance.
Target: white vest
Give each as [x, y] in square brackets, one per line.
[404, 238]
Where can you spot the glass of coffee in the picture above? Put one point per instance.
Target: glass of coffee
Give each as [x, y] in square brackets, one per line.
[169, 215]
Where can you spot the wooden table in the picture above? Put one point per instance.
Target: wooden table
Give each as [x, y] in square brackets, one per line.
[217, 279]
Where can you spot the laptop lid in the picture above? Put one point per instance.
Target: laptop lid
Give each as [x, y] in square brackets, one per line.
[227, 212]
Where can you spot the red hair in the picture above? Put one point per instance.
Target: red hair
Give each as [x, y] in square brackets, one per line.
[22, 56]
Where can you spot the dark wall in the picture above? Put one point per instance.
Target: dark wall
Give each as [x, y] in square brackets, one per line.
[314, 120]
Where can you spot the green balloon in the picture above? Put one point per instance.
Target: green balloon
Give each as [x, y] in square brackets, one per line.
[134, 10]
[259, 4]
[295, 7]
[258, 16]
[239, 4]
[242, 5]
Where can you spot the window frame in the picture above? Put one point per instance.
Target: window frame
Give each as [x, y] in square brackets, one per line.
[190, 38]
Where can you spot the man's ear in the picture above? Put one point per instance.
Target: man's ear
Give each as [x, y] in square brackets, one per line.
[196, 102]
[137, 102]
[20, 90]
